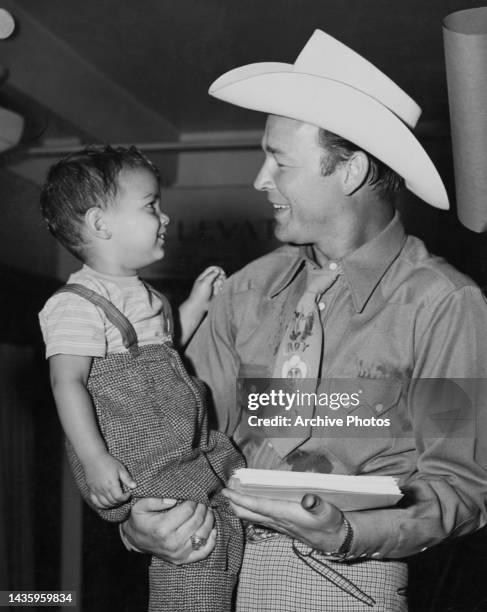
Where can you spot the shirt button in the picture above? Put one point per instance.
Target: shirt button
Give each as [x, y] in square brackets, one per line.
[321, 305]
[333, 266]
[379, 407]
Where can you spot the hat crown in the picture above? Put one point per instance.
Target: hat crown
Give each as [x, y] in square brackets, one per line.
[332, 87]
[327, 57]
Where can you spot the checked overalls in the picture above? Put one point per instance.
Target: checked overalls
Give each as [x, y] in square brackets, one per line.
[152, 416]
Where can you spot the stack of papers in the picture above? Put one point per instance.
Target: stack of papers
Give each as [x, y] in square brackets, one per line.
[345, 492]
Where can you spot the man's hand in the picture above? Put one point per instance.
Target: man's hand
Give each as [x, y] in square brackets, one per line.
[166, 533]
[320, 527]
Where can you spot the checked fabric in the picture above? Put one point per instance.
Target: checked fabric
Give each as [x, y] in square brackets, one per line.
[152, 416]
[299, 579]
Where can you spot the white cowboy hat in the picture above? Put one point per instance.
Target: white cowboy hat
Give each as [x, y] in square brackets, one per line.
[333, 87]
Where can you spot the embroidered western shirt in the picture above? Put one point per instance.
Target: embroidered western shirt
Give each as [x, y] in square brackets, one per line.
[397, 317]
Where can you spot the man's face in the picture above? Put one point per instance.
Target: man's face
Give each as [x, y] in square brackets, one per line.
[305, 202]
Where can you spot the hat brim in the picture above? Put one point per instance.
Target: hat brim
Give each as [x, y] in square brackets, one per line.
[278, 89]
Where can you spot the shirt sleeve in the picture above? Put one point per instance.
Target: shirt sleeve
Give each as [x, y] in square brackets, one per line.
[447, 494]
[72, 325]
[214, 358]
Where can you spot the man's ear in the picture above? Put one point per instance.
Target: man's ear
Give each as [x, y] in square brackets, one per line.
[355, 173]
[96, 223]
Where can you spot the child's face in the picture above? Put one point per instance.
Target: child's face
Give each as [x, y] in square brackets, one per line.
[135, 221]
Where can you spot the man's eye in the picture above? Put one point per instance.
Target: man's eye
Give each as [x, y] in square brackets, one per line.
[151, 205]
[280, 163]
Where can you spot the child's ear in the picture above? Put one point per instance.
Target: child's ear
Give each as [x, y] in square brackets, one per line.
[96, 223]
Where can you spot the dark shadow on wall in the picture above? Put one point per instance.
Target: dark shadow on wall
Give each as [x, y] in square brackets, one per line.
[30, 465]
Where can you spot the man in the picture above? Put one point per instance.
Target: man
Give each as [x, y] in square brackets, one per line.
[387, 314]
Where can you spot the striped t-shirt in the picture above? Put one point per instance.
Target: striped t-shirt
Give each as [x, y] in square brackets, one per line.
[72, 325]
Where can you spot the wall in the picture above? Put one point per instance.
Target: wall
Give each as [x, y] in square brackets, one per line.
[24, 242]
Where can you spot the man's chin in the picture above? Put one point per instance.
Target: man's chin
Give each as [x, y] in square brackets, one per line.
[283, 234]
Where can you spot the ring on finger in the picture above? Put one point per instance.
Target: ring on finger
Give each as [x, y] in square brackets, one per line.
[197, 542]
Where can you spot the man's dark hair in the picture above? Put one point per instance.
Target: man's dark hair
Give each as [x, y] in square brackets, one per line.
[81, 181]
[385, 181]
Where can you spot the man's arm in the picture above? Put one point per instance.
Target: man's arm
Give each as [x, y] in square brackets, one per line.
[446, 495]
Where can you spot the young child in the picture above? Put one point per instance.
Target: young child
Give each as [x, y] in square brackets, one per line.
[135, 421]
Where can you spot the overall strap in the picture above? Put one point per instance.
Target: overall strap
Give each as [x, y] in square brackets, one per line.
[112, 313]
[166, 308]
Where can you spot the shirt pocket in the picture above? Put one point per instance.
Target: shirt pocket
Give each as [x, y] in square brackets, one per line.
[366, 397]
[374, 407]
[385, 399]
[378, 397]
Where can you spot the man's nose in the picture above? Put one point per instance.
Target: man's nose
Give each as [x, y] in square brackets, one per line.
[263, 181]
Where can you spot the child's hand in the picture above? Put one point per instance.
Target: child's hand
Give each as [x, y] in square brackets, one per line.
[103, 476]
[208, 284]
[194, 309]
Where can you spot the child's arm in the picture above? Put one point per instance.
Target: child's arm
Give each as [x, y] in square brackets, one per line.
[193, 310]
[103, 473]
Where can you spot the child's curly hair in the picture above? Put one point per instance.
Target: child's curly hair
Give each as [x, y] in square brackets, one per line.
[81, 181]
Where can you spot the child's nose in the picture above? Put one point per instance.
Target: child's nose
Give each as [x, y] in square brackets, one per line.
[164, 218]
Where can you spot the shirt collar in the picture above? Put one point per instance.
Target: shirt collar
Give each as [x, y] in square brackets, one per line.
[290, 273]
[362, 269]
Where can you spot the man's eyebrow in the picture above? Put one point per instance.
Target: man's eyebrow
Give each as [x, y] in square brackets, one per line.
[274, 150]
[151, 194]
